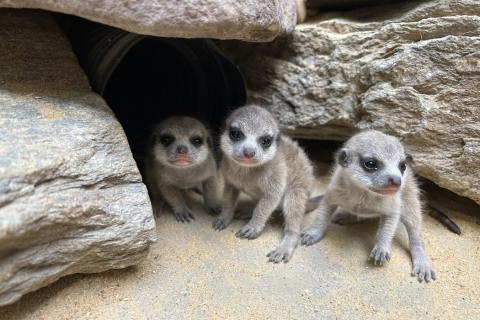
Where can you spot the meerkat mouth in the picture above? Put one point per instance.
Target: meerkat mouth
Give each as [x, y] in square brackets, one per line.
[386, 191]
[246, 161]
[181, 161]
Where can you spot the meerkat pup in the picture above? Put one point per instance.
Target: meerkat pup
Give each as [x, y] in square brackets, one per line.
[180, 158]
[269, 167]
[371, 178]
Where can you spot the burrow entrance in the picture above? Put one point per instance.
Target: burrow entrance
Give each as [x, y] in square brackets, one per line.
[146, 79]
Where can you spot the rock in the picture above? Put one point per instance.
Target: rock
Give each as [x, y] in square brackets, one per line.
[411, 70]
[71, 197]
[328, 4]
[249, 20]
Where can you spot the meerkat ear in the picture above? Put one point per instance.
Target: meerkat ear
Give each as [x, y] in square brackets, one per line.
[409, 159]
[209, 139]
[278, 138]
[209, 142]
[344, 157]
[153, 139]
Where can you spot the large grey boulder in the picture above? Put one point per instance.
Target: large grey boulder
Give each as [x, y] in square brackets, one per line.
[250, 20]
[71, 197]
[412, 70]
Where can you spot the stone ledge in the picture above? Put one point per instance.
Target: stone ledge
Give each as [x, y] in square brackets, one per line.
[249, 20]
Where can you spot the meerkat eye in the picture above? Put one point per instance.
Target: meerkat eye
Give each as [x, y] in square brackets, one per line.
[235, 134]
[197, 141]
[402, 166]
[166, 139]
[370, 164]
[266, 141]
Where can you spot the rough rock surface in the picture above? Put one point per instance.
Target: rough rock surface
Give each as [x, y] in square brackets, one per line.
[412, 70]
[250, 20]
[71, 197]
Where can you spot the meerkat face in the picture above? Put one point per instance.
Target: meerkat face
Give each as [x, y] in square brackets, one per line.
[180, 142]
[375, 161]
[251, 136]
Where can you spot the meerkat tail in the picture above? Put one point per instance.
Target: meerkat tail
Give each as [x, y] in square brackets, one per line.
[313, 203]
[444, 219]
[301, 11]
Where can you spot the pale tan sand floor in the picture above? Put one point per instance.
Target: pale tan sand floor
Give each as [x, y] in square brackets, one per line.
[194, 272]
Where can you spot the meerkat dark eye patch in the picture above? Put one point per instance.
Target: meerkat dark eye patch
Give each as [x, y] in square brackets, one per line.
[166, 139]
[265, 141]
[370, 164]
[402, 166]
[235, 134]
[196, 141]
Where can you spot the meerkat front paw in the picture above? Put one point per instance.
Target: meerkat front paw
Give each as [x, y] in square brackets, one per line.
[220, 224]
[380, 255]
[423, 271]
[183, 215]
[157, 207]
[310, 237]
[281, 253]
[248, 232]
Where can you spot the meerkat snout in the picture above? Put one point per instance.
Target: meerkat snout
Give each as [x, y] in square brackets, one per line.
[249, 152]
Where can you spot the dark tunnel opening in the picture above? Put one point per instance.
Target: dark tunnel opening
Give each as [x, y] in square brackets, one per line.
[146, 79]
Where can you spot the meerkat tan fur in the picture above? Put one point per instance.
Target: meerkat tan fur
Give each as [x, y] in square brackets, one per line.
[371, 178]
[180, 158]
[270, 168]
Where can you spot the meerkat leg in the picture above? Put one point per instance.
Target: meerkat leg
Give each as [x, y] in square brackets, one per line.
[175, 198]
[157, 201]
[262, 212]
[422, 268]
[210, 195]
[294, 206]
[317, 230]
[381, 252]
[230, 198]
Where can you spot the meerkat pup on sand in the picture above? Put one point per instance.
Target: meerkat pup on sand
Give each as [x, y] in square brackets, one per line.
[271, 169]
[180, 158]
[371, 178]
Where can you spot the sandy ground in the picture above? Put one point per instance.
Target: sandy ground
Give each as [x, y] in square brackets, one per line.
[194, 272]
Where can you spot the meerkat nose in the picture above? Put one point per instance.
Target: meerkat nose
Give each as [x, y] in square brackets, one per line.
[248, 152]
[395, 181]
[181, 149]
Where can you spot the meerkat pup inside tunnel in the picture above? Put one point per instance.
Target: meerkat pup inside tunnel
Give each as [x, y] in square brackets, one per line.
[180, 158]
[270, 168]
[371, 178]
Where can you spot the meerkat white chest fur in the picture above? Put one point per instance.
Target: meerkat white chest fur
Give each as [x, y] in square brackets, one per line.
[180, 158]
[271, 168]
[371, 178]
[255, 181]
